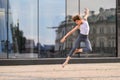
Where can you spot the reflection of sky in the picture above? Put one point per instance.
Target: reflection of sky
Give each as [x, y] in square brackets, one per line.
[91, 4]
[52, 12]
[96, 4]
[25, 11]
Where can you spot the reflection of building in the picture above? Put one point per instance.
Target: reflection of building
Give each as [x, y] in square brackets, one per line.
[5, 31]
[45, 50]
[49, 48]
[63, 28]
[102, 32]
[29, 46]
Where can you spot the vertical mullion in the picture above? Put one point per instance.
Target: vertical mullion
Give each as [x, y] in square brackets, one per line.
[117, 29]
[7, 21]
[79, 6]
[38, 27]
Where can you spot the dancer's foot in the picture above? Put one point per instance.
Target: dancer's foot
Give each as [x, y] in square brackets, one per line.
[65, 63]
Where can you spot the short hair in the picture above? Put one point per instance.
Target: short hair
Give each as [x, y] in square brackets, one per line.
[76, 17]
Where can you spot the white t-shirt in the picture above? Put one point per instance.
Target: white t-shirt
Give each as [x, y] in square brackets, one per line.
[84, 28]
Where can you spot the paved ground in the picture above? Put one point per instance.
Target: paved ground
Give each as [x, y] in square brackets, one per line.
[101, 71]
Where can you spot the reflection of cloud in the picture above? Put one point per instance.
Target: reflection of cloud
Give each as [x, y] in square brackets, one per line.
[45, 40]
[72, 5]
[42, 40]
[97, 4]
[15, 13]
[32, 37]
[25, 11]
[50, 16]
[2, 12]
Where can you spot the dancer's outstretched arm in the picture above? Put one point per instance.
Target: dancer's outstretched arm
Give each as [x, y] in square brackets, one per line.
[86, 13]
[69, 33]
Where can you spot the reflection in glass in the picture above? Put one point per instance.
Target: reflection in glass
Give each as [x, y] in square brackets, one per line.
[72, 7]
[5, 29]
[20, 37]
[67, 25]
[24, 28]
[52, 14]
[102, 19]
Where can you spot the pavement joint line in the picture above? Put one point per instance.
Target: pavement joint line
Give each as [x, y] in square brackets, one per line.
[62, 78]
[13, 75]
[62, 70]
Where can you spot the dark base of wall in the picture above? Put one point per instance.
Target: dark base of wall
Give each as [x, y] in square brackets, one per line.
[5, 62]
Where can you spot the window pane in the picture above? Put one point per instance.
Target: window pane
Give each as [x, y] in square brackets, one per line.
[102, 19]
[72, 7]
[52, 14]
[3, 29]
[23, 24]
[22, 36]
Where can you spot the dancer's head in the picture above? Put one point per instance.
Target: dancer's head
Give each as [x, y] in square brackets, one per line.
[77, 19]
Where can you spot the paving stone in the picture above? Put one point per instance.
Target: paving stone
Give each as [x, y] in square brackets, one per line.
[94, 71]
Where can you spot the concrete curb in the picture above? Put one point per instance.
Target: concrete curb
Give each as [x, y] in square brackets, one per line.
[44, 61]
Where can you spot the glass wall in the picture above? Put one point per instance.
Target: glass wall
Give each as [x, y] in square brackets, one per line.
[72, 8]
[24, 28]
[34, 28]
[3, 29]
[52, 16]
[102, 22]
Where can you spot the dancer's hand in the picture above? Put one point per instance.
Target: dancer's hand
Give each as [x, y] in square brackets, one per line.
[86, 10]
[86, 13]
[63, 40]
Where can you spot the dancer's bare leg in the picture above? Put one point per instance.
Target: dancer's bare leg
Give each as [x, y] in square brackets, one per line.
[68, 58]
[66, 61]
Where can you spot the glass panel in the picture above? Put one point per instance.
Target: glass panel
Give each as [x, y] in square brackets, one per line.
[22, 36]
[102, 21]
[71, 9]
[52, 15]
[23, 28]
[3, 29]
